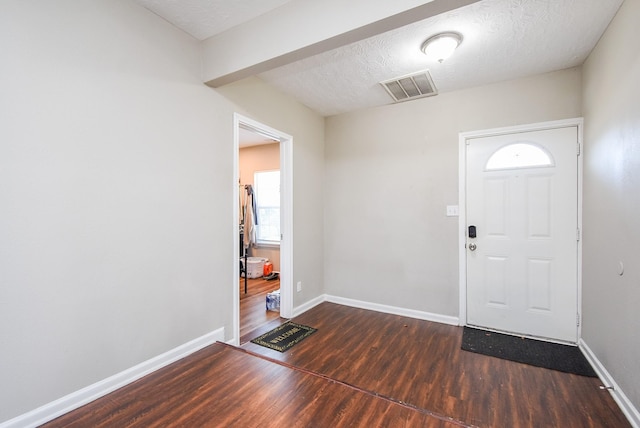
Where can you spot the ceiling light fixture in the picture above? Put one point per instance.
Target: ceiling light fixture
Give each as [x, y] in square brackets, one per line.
[441, 46]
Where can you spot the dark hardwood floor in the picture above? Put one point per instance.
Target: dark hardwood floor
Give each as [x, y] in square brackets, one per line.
[253, 312]
[222, 386]
[360, 369]
[420, 363]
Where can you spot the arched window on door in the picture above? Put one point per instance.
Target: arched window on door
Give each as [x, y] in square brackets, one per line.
[519, 155]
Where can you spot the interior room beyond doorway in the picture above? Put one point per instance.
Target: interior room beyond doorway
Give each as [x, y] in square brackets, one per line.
[259, 190]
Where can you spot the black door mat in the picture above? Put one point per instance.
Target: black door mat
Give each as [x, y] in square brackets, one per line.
[285, 336]
[554, 356]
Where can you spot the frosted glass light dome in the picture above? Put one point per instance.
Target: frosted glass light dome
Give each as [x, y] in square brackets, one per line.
[441, 46]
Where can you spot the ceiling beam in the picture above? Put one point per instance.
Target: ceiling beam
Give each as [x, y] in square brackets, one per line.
[303, 28]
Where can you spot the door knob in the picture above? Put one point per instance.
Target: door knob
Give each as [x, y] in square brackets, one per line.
[472, 246]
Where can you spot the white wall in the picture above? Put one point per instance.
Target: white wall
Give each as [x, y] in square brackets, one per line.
[611, 200]
[391, 171]
[257, 100]
[114, 160]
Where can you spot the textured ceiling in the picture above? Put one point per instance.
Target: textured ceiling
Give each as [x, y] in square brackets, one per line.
[503, 40]
[206, 18]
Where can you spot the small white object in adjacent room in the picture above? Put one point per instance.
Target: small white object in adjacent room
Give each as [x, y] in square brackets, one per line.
[273, 300]
[255, 266]
[299, 286]
[452, 211]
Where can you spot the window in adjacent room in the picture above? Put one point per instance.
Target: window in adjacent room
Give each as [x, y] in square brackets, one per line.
[267, 189]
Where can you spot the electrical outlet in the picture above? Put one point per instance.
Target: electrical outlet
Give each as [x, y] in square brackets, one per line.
[299, 286]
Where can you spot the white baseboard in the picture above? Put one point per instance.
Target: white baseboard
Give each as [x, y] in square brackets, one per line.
[618, 395]
[411, 313]
[308, 305]
[90, 393]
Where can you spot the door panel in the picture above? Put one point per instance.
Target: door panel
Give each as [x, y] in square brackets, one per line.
[539, 207]
[522, 276]
[496, 283]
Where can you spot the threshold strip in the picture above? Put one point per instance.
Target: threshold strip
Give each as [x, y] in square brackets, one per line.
[354, 387]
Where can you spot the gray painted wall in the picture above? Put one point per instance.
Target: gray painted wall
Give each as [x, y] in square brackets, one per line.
[116, 188]
[110, 190]
[612, 200]
[114, 158]
[391, 171]
[257, 100]
[115, 162]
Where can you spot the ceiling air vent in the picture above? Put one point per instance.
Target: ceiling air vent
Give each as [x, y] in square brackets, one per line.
[411, 86]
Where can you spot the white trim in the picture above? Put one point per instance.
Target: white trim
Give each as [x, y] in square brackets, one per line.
[309, 305]
[627, 407]
[462, 229]
[101, 388]
[462, 195]
[410, 313]
[286, 215]
[394, 310]
[286, 227]
[236, 230]
[266, 244]
[579, 122]
[541, 126]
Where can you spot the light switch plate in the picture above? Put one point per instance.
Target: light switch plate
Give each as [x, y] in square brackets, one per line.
[452, 211]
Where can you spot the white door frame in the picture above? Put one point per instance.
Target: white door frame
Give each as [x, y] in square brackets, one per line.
[286, 216]
[462, 198]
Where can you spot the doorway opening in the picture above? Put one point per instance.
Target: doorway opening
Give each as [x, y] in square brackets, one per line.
[263, 226]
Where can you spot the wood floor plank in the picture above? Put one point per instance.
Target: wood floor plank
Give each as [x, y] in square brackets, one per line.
[253, 311]
[223, 387]
[421, 363]
[361, 368]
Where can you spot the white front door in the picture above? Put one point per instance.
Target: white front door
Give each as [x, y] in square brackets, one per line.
[522, 201]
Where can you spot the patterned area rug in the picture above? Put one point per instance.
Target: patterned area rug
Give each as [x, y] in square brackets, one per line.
[285, 336]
